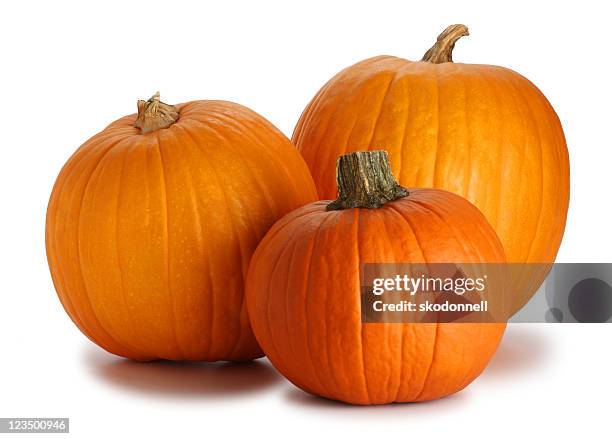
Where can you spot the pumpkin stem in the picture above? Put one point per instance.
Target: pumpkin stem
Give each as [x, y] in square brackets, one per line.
[365, 180]
[154, 114]
[442, 51]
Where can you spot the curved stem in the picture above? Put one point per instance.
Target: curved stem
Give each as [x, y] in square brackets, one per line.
[442, 51]
[365, 180]
[154, 114]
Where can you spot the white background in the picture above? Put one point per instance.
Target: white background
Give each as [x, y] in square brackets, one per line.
[67, 70]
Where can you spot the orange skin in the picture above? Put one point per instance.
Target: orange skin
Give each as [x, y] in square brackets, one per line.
[303, 297]
[483, 132]
[149, 236]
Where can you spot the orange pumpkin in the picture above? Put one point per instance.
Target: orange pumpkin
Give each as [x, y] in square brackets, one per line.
[152, 223]
[480, 131]
[303, 290]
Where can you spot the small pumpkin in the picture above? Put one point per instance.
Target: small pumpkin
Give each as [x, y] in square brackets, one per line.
[152, 223]
[303, 290]
[481, 131]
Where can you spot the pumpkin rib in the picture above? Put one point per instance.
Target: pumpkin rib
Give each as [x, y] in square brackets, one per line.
[413, 232]
[432, 156]
[399, 80]
[383, 91]
[465, 380]
[91, 189]
[493, 82]
[379, 213]
[436, 152]
[263, 191]
[431, 362]
[409, 70]
[291, 249]
[308, 282]
[262, 143]
[229, 144]
[436, 327]
[528, 116]
[244, 267]
[156, 191]
[167, 247]
[279, 165]
[145, 154]
[271, 237]
[361, 339]
[213, 296]
[541, 101]
[152, 188]
[469, 370]
[280, 360]
[87, 187]
[407, 120]
[233, 227]
[382, 104]
[53, 214]
[470, 144]
[286, 274]
[346, 142]
[132, 326]
[460, 235]
[394, 213]
[563, 157]
[435, 338]
[519, 103]
[499, 156]
[338, 108]
[328, 363]
[96, 172]
[502, 158]
[208, 342]
[503, 79]
[242, 129]
[198, 227]
[542, 171]
[454, 232]
[77, 158]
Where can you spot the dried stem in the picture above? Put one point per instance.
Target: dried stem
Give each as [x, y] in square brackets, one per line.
[365, 180]
[154, 114]
[442, 51]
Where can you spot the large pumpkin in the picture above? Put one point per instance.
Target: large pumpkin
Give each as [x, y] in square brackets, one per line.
[480, 131]
[303, 290]
[152, 223]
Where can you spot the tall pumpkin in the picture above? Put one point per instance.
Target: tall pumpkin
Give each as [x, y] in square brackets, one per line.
[481, 131]
[304, 298]
[152, 222]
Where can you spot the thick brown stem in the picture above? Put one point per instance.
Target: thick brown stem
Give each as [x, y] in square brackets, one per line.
[442, 51]
[365, 180]
[154, 114]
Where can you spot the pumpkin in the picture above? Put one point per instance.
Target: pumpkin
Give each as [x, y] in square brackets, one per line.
[152, 223]
[303, 290]
[481, 131]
